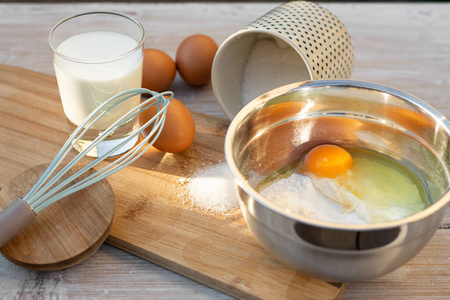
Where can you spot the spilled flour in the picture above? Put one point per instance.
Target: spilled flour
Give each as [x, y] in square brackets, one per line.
[212, 188]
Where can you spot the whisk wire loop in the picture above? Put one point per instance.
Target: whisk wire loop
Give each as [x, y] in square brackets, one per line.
[85, 125]
[39, 196]
[125, 160]
[111, 168]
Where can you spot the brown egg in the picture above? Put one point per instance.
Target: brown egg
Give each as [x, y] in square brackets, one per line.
[195, 57]
[179, 129]
[159, 70]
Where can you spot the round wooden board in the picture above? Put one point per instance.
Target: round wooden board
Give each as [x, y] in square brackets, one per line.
[64, 233]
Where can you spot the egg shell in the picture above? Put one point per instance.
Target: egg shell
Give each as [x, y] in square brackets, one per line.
[159, 70]
[179, 128]
[194, 59]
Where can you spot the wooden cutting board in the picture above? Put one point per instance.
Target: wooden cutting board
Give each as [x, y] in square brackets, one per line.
[153, 219]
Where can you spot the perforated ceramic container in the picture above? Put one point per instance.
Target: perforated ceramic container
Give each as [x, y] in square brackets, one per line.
[318, 37]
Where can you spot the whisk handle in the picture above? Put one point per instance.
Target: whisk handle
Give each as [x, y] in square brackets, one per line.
[14, 218]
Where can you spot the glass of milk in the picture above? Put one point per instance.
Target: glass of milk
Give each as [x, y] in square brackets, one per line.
[96, 55]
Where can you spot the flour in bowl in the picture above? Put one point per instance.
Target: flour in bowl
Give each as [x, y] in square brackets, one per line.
[298, 195]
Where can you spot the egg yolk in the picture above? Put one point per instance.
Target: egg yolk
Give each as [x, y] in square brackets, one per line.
[328, 160]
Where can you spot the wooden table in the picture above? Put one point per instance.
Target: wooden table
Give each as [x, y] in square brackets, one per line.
[403, 45]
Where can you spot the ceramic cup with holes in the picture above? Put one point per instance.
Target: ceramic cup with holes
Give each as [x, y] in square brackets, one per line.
[294, 42]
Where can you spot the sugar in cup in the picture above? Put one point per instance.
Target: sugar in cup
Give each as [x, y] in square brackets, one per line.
[296, 41]
[97, 55]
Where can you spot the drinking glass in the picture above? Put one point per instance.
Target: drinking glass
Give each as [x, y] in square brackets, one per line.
[97, 55]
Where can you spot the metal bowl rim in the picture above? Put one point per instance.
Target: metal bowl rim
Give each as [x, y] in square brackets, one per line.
[342, 83]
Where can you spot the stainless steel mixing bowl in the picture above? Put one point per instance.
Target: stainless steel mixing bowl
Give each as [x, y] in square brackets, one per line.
[277, 127]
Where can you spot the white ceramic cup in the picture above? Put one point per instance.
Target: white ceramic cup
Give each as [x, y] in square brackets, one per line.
[313, 44]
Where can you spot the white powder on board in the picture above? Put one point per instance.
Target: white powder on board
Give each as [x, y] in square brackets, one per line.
[271, 64]
[212, 188]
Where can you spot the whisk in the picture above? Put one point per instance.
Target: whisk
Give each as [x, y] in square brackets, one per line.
[45, 192]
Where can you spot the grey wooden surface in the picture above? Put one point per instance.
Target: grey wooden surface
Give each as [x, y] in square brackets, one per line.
[404, 45]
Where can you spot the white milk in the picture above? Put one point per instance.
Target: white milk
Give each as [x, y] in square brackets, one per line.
[85, 85]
